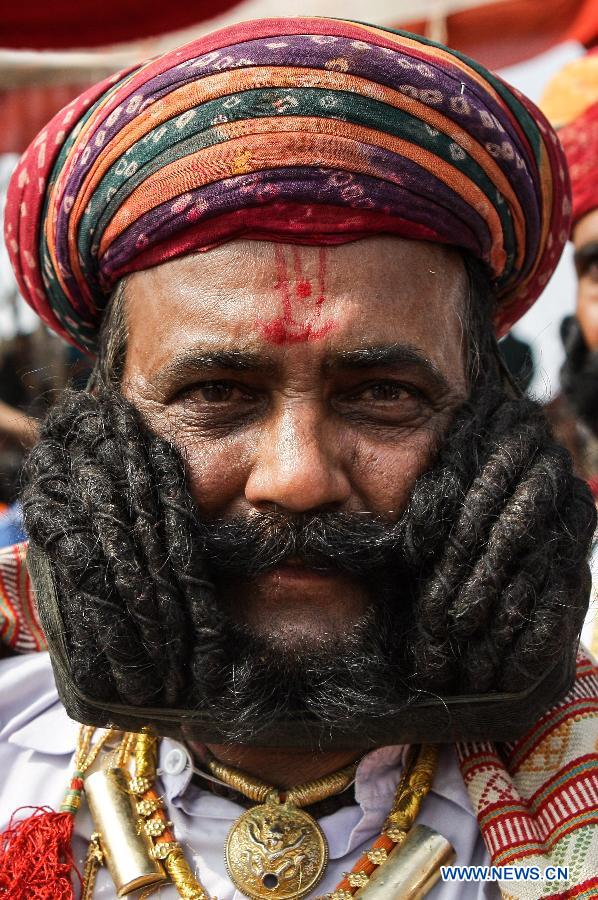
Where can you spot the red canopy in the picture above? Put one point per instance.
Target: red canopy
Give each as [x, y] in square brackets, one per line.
[68, 24]
[497, 34]
[509, 31]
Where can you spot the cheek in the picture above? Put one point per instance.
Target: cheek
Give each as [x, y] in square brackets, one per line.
[217, 471]
[383, 476]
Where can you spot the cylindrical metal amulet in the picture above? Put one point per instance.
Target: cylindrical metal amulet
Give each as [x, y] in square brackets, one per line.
[126, 848]
[412, 869]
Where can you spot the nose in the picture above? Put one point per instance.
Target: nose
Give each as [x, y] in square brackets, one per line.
[297, 465]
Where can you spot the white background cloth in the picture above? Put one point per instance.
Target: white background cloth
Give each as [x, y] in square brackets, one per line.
[37, 741]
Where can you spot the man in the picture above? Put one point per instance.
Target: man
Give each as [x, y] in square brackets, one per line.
[571, 103]
[300, 518]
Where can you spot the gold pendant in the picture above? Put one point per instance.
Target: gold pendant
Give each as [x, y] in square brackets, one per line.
[275, 851]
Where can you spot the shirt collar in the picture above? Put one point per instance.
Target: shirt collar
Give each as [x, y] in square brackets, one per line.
[376, 778]
[53, 732]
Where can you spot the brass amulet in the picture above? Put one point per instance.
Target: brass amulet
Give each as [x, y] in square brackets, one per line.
[275, 851]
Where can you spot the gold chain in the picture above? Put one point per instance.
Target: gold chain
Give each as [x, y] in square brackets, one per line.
[124, 750]
[414, 784]
[303, 795]
[251, 787]
[322, 788]
[85, 754]
[166, 848]
[93, 861]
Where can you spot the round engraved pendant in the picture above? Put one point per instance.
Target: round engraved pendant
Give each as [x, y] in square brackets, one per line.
[275, 851]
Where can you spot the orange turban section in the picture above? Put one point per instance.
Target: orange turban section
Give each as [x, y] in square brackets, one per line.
[572, 91]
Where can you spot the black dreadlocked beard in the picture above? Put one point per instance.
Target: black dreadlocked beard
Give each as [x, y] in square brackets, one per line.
[478, 587]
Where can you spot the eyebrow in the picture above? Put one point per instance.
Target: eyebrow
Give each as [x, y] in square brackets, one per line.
[195, 359]
[388, 356]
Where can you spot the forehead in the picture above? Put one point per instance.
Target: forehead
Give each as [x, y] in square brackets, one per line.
[586, 230]
[298, 301]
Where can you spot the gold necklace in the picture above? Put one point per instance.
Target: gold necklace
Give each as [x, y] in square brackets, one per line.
[166, 851]
[414, 784]
[276, 850]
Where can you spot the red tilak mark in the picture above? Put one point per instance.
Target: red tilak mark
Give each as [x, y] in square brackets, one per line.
[303, 284]
[287, 329]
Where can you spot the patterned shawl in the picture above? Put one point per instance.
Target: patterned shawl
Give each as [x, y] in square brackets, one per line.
[306, 130]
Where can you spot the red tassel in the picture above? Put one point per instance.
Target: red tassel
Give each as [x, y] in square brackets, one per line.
[36, 859]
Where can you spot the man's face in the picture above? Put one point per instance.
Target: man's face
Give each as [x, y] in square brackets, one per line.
[585, 242]
[299, 380]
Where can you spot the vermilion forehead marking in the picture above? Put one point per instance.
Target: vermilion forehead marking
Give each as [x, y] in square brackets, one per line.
[276, 332]
[301, 318]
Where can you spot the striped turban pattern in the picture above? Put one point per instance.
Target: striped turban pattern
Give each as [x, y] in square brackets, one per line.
[305, 130]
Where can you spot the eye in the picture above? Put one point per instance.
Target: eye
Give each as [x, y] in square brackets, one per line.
[216, 391]
[380, 392]
[218, 405]
[591, 272]
[384, 402]
[384, 392]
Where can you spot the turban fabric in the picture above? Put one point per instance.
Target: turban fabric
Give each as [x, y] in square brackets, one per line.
[571, 103]
[306, 130]
[580, 142]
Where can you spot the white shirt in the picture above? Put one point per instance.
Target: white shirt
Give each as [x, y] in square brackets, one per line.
[37, 742]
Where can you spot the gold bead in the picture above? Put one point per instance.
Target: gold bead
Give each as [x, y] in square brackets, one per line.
[155, 827]
[71, 802]
[357, 879]
[402, 819]
[341, 895]
[378, 856]
[187, 885]
[396, 834]
[161, 851]
[146, 808]
[140, 785]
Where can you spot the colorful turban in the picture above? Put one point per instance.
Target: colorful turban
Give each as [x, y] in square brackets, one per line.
[571, 103]
[305, 130]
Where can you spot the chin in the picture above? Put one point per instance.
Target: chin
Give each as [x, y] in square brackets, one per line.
[299, 634]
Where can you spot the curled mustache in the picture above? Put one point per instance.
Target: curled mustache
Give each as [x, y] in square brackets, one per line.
[355, 543]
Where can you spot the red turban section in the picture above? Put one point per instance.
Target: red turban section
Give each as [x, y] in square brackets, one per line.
[580, 142]
[570, 102]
